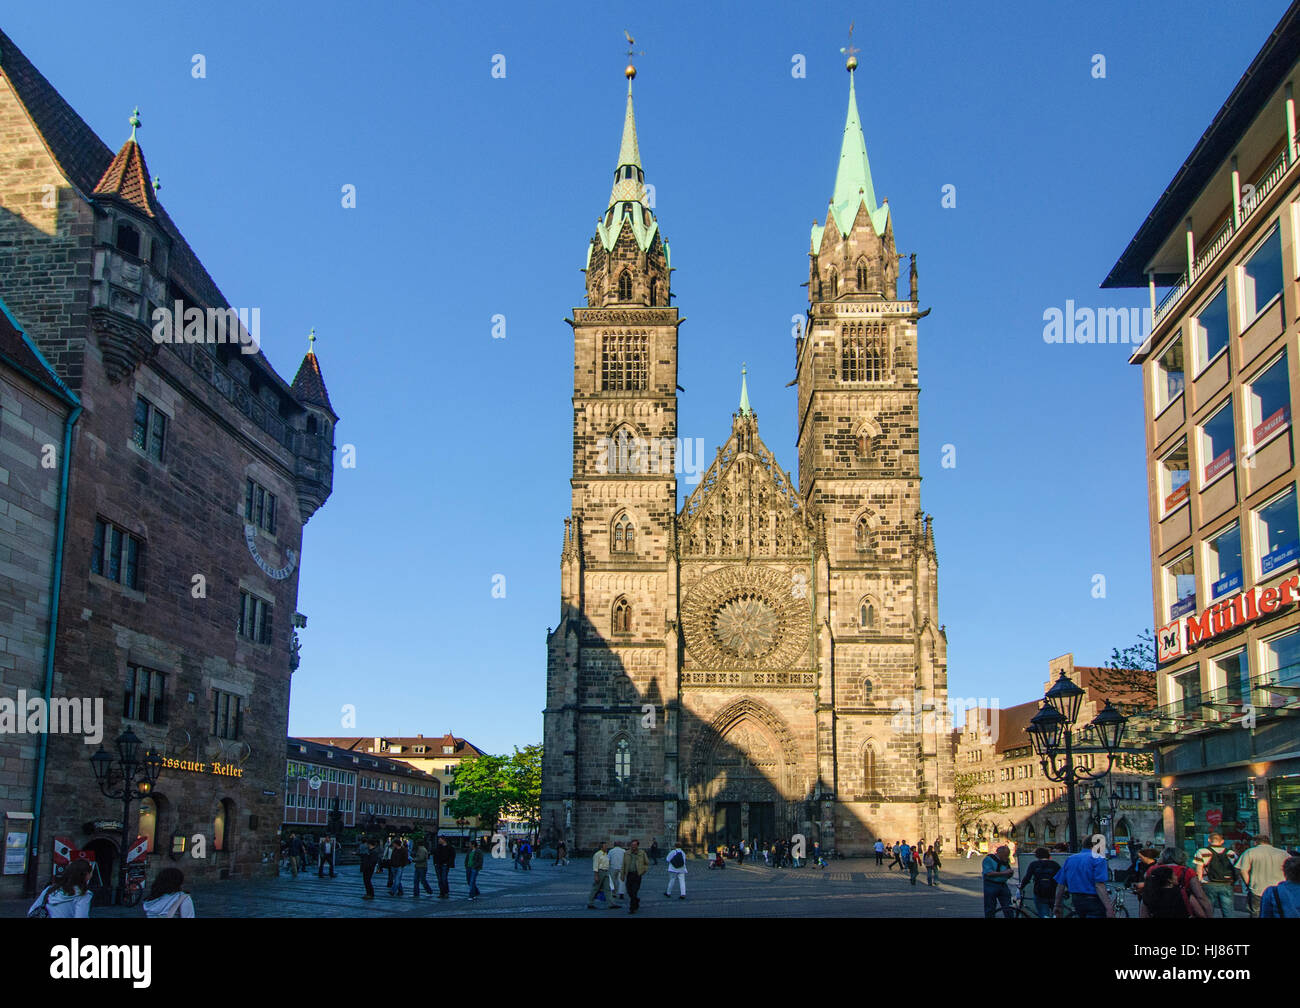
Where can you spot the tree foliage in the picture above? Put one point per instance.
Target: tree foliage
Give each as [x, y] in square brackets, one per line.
[970, 804]
[491, 787]
[1130, 674]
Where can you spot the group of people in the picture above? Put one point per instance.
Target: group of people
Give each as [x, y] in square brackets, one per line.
[400, 852]
[1166, 885]
[911, 858]
[617, 873]
[70, 895]
[298, 852]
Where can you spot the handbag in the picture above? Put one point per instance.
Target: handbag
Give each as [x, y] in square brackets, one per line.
[43, 910]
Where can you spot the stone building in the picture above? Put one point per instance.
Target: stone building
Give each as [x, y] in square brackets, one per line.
[37, 412]
[194, 468]
[768, 659]
[993, 746]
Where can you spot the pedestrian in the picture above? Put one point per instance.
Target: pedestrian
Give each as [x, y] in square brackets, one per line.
[401, 858]
[599, 874]
[654, 851]
[1041, 874]
[676, 871]
[526, 856]
[912, 858]
[880, 853]
[386, 860]
[420, 863]
[817, 860]
[444, 860]
[68, 896]
[473, 865]
[1260, 867]
[617, 889]
[997, 872]
[326, 857]
[369, 851]
[931, 861]
[1083, 876]
[561, 854]
[1283, 899]
[166, 898]
[635, 867]
[1184, 877]
[295, 854]
[740, 855]
[1215, 870]
[895, 851]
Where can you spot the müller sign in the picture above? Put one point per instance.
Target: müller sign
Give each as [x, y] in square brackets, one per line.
[220, 769]
[1182, 635]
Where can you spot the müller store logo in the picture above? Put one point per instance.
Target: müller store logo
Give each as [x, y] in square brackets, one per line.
[1182, 635]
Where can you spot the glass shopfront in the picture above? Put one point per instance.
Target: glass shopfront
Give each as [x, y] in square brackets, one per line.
[1228, 809]
[1284, 810]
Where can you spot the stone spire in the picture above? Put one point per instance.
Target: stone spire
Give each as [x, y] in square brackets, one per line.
[744, 393]
[127, 177]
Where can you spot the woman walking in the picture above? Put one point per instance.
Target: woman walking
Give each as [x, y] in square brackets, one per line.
[166, 898]
[66, 897]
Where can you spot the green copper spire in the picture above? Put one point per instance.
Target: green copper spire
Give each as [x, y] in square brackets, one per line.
[628, 200]
[853, 184]
[745, 409]
[629, 155]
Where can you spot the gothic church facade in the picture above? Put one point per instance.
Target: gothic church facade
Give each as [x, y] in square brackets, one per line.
[767, 660]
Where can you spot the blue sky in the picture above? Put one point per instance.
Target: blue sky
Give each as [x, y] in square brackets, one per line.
[476, 196]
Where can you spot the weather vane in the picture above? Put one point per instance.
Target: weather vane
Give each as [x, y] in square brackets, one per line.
[850, 50]
[630, 72]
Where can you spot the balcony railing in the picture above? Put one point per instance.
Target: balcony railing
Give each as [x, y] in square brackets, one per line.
[1269, 181]
[1269, 695]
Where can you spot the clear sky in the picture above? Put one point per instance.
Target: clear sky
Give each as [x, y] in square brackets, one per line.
[476, 196]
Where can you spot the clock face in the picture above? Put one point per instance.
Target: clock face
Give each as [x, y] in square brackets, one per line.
[746, 627]
[747, 617]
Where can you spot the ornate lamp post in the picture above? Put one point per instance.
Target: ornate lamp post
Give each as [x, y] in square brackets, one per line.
[129, 778]
[1052, 733]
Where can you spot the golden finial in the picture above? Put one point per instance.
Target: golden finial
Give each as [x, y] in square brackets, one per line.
[850, 50]
[630, 71]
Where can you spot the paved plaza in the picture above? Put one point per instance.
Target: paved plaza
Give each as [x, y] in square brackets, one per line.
[849, 888]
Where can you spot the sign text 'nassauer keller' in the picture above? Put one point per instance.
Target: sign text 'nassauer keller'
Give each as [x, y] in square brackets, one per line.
[220, 769]
[1182, 635]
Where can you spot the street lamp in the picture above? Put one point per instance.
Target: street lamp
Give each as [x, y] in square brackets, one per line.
[128, 778]
[1052, 734]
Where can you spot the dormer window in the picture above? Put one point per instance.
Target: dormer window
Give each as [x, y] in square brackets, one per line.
[127, 239]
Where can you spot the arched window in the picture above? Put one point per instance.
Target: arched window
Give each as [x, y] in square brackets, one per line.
[622, 761]
[876, 361]
[654, 291]
[625, 286]
[869, 768]
[863, 274]
[867, 615]
[866, 690]
[222, 821]
[863, 539]
[833, 282]
[622, 616]
[149, 822]
[623, 540]
[127, 239]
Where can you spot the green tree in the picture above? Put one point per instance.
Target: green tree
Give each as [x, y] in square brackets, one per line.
[1129, 677]
[484, 790]
[525, 772]
[970, 805]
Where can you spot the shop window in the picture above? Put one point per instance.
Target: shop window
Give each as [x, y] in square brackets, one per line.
[1268, 402]
[1282, 658]
[1211, 329]
[1217, 444]
[1174, 476]
[1185, 692]
[1223, 562]
[1180, 586]
[1232, 675]
[1261, 277]
[1169, 374]
[1276, 540]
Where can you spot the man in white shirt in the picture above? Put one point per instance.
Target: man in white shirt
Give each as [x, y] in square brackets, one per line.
[676, 870]
[599, 873]
[617, 883]
[1260, 867]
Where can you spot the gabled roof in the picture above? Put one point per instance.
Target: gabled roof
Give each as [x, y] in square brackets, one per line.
[127, 179]
[17, 349]
[324, 754]
[433, 745]
[309, 385]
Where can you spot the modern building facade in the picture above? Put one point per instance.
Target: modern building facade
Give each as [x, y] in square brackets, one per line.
[767, 660]
[993, 747]
[193, 469]
[1220, 378]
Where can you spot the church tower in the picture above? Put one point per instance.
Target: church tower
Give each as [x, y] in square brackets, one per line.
[612, 659]
[882, 730]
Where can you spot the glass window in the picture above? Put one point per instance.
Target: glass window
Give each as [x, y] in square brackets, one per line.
[1261, 277]
[1217, 443]
[1268, 400]
[1276, 539]
[1223, 561]
[1174, 476]
[623, 760]
[149, 429]
[1169, 374]
[1282, 656]
[1233, 677]
[1180, 586]
[1185, 691]
[1211, 328]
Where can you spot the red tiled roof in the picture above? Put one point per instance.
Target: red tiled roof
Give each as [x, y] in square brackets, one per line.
[1012, 722]
[434, 744]
[127, 179]
[309, 384]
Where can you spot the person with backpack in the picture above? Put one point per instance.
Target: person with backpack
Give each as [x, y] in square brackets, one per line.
[1283, 899]
[166, 898]
[676, 871]
[369, 862]
[931, 861]
[996, 873]
[473, 865]
[1215, 870]
[68, 896]
[444, 860]
[1183, 877]
[1163, 895]
[1041, 874]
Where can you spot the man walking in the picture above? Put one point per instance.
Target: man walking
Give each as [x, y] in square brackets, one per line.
[369, 862]
[444, 860]
[617, 888]
[326, 857]
[635, 866]
[880, 853]
[898, 860]
[420, 859]
[676, 871]
[997, 872]
[1083, 876]
[295, 853]
[1260, 867]
[401, 859]
[1214, 869]
[654, 851]
[473, 865]
[599, 874]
